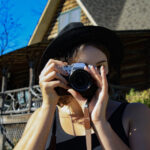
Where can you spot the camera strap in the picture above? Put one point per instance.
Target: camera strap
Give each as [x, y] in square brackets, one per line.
[87, 126]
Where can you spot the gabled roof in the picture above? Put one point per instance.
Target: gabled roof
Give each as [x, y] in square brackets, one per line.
[47, 17]
[44, 21]
[120, 14]
[113, 14]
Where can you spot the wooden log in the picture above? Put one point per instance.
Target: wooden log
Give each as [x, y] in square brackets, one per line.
[19, 111]
[21, 89]
[133, 69]
[31, 73]
[29, 102]
[2, 141]
[11, 119]
[135, 34]
[21, 73]
[132, 74]
[31, 82]
[1, 102]
[4, 86]
[134, 80]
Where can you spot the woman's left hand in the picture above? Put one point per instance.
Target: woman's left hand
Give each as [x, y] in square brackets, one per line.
[98, 104]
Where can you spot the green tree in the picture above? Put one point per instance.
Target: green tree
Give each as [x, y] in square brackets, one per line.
[139, 96]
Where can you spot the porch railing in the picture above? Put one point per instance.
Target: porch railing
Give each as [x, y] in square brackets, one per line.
[28, 99]
[21, 100]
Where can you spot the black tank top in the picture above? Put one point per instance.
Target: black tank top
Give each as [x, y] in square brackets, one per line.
[79, 142]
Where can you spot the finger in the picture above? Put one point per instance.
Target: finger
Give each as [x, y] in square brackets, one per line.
[53, 67]
[47, 68]
[104, 80]
[76, 95]
[54, 75]
[95, 74]
[88, 70]
[56, 83]
[61, 63]
[56, 68]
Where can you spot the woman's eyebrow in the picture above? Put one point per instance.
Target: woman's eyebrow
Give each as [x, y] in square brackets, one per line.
[101, 62]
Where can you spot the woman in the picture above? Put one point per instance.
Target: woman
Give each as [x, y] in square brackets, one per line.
[114, 125]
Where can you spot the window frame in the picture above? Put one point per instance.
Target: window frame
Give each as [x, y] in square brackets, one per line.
[69, 13]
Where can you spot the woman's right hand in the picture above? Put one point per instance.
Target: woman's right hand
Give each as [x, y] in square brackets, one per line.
[51, 77]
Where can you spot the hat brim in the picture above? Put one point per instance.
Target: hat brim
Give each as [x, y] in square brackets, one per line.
[93, 34]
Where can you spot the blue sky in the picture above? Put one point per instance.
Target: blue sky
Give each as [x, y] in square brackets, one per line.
[27, 14]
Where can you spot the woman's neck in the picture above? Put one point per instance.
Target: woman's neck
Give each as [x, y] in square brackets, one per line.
[74, 109]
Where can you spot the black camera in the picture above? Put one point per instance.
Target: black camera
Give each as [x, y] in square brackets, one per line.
[78, 79]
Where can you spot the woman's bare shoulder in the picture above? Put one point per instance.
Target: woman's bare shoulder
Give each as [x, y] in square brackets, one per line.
[135, 114]
[137, 117]
[136, 110]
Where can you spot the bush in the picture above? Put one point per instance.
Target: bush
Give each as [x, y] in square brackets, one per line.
[139, 96]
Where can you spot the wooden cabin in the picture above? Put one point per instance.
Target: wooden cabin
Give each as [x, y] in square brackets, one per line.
[20, 94]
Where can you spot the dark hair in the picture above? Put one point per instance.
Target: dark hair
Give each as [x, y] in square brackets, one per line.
[72, 54]
[114, 69]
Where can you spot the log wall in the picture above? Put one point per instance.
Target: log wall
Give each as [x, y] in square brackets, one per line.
[135, 68]
[65, 6]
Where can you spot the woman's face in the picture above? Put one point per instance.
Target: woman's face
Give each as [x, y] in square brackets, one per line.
[93, 56]
[88, 55]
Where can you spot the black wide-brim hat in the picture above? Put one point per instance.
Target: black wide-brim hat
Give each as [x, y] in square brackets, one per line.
[75, 34]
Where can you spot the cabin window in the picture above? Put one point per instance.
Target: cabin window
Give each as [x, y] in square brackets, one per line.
[65, 18]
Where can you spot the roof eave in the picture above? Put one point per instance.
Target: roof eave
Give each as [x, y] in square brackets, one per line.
[86, 12]
[44, 21]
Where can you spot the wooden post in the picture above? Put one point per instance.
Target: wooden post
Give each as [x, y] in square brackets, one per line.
[4, 81]
[31, 74]
[2, 141]
[2, 98]
[1, 102]
[3, 88]
[31, 82]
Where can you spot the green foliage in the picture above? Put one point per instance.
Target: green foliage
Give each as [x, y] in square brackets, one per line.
[139, 96]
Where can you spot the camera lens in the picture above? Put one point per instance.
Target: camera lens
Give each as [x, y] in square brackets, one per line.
[80, 80]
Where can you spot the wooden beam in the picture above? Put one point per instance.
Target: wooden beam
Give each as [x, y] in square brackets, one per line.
[44, 21]
[31, 74]
[2, 141]
[19, 111]
[11, 119]
[3, 88]
[4, 74]
[31, 82]
[87, 13]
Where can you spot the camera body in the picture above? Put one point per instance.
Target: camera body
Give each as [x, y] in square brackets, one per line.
[78, 79]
